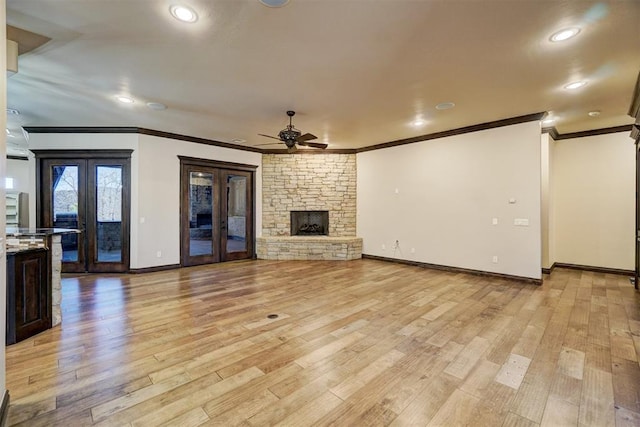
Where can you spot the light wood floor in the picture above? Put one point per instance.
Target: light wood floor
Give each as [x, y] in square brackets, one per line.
[355, 343]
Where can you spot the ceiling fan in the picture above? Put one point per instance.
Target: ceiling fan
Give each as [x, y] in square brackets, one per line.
[292, 136]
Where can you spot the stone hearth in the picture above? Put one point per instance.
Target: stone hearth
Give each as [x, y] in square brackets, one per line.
[309, 248]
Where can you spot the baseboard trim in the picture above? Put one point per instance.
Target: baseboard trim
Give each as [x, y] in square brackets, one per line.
[455, 269]
[605, 270]
[154, 269]
[4, 409]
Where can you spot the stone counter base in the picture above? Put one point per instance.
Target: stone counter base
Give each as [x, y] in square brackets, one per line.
[309, 248]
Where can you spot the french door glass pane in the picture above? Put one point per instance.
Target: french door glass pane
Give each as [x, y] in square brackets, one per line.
[200, 213]
[236, 213]
[65, 207]
[109, 213]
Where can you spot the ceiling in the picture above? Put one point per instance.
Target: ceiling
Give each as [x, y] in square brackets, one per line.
[357, 72]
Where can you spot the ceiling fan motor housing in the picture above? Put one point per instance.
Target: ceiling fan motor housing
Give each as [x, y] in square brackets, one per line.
[289, 136]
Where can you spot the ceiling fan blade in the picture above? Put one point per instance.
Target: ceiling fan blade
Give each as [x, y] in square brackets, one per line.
[313, 144]
[269, 136]
[306, 137]
[269, 143]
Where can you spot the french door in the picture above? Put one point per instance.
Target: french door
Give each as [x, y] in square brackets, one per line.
[89, 191]
[636, 274]
[216, 211]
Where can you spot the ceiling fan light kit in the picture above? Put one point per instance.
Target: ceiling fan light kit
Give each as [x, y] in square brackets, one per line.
[291, 136]
[274, 3]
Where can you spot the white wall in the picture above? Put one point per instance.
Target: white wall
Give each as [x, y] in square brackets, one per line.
[594, 186]
[23, 182]
[19, 171]
[155, 186]
[438, 198]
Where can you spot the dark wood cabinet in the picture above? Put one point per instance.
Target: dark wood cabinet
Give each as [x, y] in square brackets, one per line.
[28, 294]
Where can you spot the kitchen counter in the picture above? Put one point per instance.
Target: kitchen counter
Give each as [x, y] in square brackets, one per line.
[20, 241]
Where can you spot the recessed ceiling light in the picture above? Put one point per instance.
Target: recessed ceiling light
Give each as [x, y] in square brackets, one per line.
[274, 3]
[183, 13]
[418, 122]
[575, 85]
[594, 113]
[157, 106]
[238, 141]
[564, 34]
[13, 111]
[445, 105]
[124, 99]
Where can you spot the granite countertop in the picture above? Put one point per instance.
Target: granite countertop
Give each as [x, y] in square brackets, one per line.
[27, 239]
[13, 250]
[15, 232]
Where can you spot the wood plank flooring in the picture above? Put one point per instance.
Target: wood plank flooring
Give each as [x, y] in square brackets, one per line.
[355, 343]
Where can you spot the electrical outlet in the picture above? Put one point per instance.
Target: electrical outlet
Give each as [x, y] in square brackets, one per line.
[494, 221]
[159, 254]
[384, 246]
[495, 259]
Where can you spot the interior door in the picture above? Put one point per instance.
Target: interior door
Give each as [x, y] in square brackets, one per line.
[200, 215]
[216, 210]
[63, 197]
[89, 191]
[107, 213]
[237, 215]
[637, 266]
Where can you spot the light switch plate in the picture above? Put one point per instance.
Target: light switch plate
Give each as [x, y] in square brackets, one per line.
[522, 222]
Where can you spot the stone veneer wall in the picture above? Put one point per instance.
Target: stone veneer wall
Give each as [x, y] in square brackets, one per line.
[56, 280]
[309, 182]
[301, 182]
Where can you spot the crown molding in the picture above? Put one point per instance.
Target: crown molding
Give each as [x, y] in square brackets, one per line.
[634, 108]
[458, 131]
[80, 129]
[552, 131]
[593, 132]
[311, 151]
[141, 131]
[197, 140]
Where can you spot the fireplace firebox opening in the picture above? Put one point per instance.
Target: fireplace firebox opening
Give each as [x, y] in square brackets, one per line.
[309, 223]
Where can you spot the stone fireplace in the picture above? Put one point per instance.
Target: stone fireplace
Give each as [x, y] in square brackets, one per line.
[309, 207]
